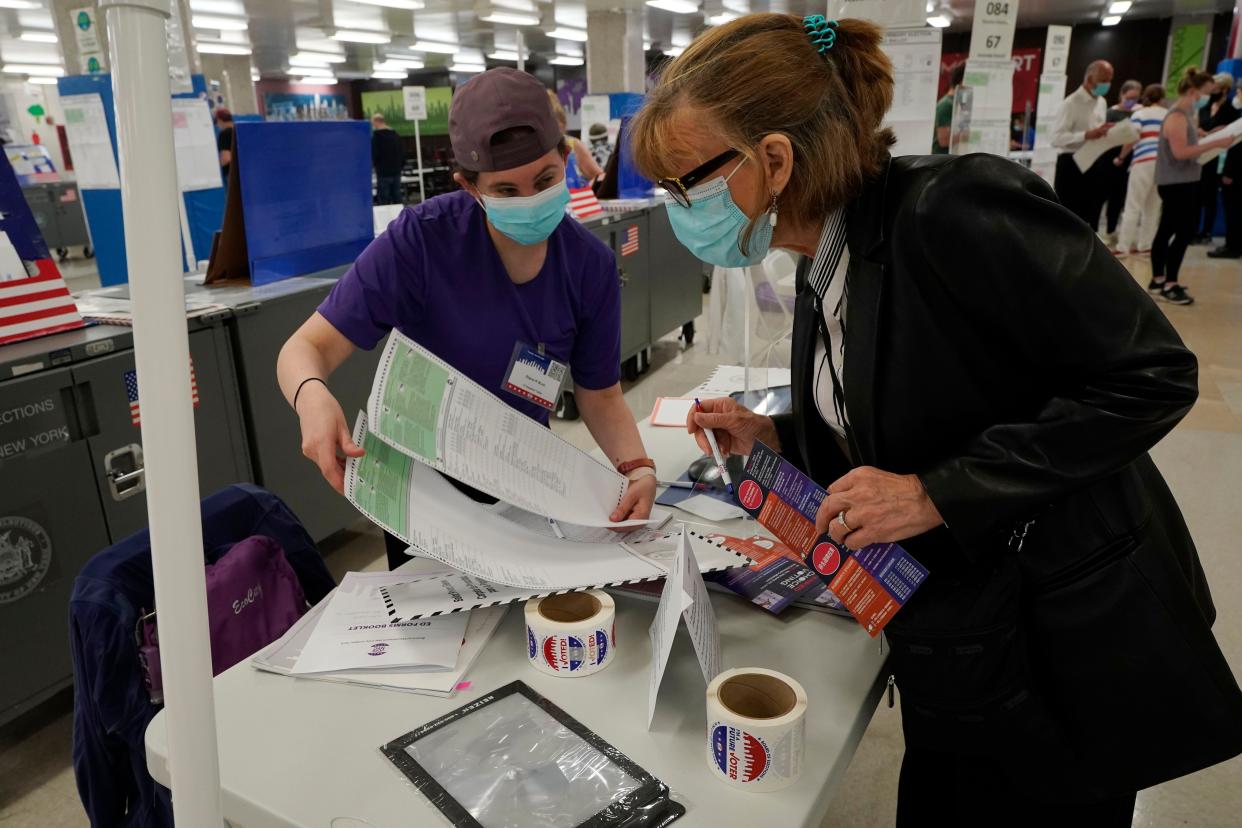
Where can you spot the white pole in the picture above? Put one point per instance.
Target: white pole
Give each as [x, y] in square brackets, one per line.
[418, 150]
[521, 50]
[139, 53]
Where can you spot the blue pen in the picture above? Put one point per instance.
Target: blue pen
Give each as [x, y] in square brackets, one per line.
[720, 463]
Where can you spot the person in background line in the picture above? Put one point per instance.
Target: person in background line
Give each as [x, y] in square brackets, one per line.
[1142, 211]
[941, 137]
[581, 170]
[1219, 112]
[1177, 179]
[1113, 171]
[1022, 131]
[388, 157]
[224, 141]
[1231, 197]
[1082, 118]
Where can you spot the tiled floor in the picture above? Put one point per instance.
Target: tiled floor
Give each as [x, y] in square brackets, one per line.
[1202, 460]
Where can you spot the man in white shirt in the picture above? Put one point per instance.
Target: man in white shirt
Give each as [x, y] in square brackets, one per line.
[1082, 118]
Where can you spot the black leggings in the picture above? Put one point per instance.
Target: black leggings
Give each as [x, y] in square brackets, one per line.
[938, 789]
[1179, 218]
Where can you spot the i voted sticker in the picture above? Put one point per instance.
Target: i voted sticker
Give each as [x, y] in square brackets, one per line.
[572, 653]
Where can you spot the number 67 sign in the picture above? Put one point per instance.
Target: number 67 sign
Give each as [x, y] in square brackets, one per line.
[991, 36]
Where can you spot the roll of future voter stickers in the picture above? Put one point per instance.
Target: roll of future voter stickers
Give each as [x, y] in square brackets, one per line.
[571, 635]
[756, 729]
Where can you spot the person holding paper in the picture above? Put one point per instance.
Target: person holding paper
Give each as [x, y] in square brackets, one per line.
[1082, 118]
[975, 377]
[1141, 214]
[1177, 180]
[492, 280]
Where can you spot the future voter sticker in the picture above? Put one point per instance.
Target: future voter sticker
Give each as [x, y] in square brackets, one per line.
[826, 558]
[741, 756]
[532, 646]
[25, 556]
[750, 494]
[570, 653]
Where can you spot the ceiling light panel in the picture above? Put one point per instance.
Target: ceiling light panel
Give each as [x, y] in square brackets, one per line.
[235, 8]
[675, 6]
[39, 37]
[361, 36]
[218, 23]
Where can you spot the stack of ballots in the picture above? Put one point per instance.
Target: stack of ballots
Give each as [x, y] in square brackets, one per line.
[549, 532]
[351, 637]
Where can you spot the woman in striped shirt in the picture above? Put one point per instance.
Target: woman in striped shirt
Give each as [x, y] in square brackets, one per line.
[1141, 215]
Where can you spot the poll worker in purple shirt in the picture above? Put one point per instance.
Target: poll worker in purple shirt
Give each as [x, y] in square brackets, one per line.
[476, 275]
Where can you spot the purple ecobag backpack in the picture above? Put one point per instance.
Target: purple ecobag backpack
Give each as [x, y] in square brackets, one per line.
[253, 598]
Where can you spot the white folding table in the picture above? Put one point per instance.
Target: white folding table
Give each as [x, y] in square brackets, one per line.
[298, 752]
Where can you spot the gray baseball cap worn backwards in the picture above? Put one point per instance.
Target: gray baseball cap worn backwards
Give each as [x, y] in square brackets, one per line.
[490, 103]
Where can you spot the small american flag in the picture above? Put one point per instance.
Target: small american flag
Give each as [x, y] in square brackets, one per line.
[583, 203]
[629, 243]
[131, 391]
[36, 306]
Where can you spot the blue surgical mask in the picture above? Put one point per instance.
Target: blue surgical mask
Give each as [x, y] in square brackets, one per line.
[528, 219]
[712, 226]
[1202, 101]
[1101, 89]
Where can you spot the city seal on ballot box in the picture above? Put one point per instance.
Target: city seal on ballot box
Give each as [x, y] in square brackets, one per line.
[740, 755]
[25, 556]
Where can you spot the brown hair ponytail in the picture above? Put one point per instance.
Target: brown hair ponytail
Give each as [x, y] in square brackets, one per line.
[1193, 79]
[759, 75]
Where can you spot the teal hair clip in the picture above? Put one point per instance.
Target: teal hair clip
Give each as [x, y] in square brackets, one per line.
[823, 33]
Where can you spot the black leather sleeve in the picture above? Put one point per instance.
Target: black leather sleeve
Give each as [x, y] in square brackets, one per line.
[1035, 278]
[788, 435]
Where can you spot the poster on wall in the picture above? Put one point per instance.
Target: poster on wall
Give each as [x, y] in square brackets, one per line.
[570, 91]
[291, 106]
[915, 54]
[1187, 43]
[991, 85]
[194, 141]
[1025, 75]
[91, 60]
[390, 103]
[91, 145]
[599, 129]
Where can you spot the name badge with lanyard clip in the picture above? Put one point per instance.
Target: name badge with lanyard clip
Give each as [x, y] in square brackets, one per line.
[534, 376]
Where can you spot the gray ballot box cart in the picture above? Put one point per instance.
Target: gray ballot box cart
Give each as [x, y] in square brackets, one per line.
[261, 319]
[72, 480]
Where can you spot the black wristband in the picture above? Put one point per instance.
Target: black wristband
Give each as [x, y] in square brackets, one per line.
[299, 391]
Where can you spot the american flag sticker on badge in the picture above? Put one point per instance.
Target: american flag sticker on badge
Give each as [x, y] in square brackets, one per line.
[629, 242]
[131, 391]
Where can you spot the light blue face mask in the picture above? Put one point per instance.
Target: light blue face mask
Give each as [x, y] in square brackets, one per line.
[712, 226]
[1202, 101]
[1101, 89]
[528, 219]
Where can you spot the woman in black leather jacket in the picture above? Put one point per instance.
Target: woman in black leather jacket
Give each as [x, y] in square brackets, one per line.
[975, 376]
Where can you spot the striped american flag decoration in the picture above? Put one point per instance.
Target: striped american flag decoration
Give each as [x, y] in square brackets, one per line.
[36, 306]
[131, 391]
[629, 242]
[583, 203]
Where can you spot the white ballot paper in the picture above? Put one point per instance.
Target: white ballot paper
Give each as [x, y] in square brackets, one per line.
[424, 408]
[1233, 130]
[419, 505]
[685, 596]
[355, 633]
[281, 656]
[729, 379]
[709, 508]
[585, 534]
[1125, 132]
[427, 595]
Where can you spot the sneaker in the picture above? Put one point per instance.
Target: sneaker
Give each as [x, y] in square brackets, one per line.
[1176, 295]
[1155, 287]
[1223, 252]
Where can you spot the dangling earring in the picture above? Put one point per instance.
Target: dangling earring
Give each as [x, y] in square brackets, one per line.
[772, 210]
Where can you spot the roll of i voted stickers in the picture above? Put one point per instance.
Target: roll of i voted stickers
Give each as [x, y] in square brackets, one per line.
[756, 729]
[571, 635]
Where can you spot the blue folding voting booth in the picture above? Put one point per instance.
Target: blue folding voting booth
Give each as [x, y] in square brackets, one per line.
[305, 195]
[204, 208]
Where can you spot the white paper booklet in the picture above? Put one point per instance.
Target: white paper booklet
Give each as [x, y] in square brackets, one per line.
[729, 379]
[423, 407]
[356, 633]
[281, 655]
[586, 534]
[1125, 132]
[1233, 130]
[417, 504]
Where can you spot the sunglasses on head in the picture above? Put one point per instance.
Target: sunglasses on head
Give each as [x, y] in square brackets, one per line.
[679, 188]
